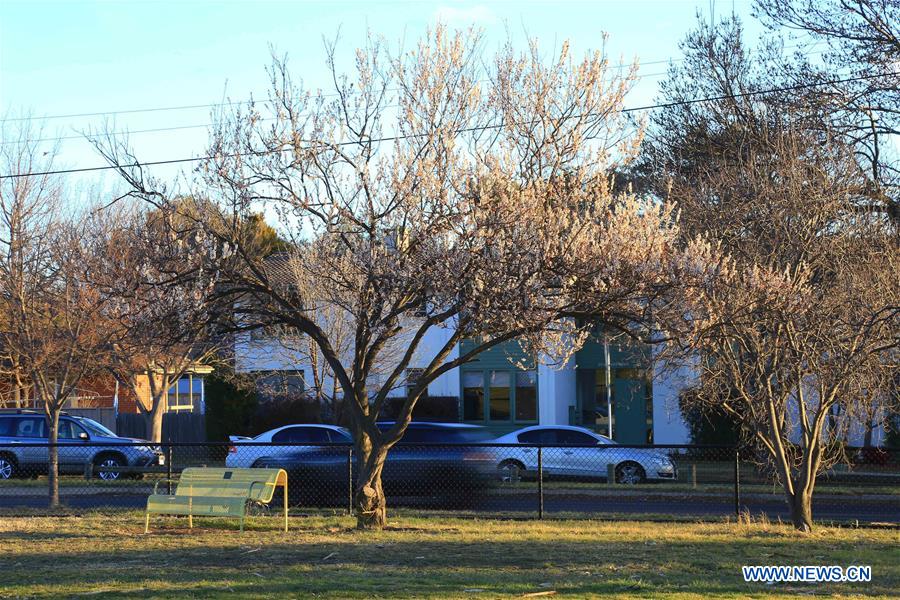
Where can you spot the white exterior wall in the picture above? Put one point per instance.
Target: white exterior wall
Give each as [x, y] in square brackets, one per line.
[263, 355]
[668, 425]
[434, 339]
[556, 393]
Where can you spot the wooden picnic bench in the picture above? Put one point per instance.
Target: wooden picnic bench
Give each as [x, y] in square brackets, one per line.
[215, 492]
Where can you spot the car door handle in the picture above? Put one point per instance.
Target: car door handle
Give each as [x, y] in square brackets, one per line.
[567, 452]
[528, 449]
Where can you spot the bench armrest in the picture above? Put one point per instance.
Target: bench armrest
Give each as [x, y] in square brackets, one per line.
[164, 480]
[252, 483]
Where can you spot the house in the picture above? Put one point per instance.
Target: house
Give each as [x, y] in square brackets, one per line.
[505, 389]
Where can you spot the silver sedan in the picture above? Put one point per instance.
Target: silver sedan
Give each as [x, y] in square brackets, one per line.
[579, 452]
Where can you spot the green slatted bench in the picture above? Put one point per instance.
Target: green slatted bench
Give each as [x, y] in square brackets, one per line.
[213, 492]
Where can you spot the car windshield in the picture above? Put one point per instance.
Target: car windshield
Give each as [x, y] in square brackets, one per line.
[95, 428]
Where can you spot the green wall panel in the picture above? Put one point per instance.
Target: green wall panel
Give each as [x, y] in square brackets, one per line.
[502, 356]
[623, 352]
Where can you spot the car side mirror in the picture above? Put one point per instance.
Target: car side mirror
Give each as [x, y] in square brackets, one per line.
[83, 436]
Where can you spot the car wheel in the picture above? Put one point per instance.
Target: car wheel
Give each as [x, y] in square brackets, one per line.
[510, 471]
[630, 473]
[106, 461]
[7, 466]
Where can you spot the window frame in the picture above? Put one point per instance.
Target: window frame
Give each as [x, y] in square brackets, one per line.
[486, 397]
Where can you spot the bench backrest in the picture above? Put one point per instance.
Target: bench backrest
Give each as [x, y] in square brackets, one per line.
[254, 484]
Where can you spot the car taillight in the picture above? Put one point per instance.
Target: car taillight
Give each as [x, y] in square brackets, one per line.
[232, 449]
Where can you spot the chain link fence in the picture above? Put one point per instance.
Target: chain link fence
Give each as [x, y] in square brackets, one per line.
[485, 479]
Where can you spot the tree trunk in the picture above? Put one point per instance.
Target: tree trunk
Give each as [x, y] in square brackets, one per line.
[370, 502]
[801, 511]
[53, 462]
[154, 421]
[867, 438]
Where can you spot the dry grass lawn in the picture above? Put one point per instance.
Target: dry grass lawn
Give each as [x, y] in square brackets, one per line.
[107, 556]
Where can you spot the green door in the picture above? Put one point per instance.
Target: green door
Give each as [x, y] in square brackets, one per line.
[630, 410]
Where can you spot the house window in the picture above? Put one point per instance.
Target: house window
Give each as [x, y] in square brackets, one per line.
[473, 395]
[526, 396]
[500, 396]
[186, 394]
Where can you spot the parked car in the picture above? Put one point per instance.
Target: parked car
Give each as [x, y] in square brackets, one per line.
[77, 436]
[418, 466]
[590, 456]
[253, 452]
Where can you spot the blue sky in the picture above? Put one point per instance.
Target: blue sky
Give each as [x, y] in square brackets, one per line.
[62, 58]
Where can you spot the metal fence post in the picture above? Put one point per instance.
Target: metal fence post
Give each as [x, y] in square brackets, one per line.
[169, 468]
[540, 482]
[350, 481]
[737, 483]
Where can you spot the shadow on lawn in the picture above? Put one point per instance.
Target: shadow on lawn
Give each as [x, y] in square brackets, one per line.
[345, 563]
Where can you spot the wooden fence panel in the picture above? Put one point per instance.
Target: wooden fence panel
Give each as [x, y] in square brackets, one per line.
[177, 427]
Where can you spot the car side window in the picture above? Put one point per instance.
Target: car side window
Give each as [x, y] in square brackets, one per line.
[579, 438]
[312, 435]
[545, 437]
[30, 427]
[301, 435]
[65, 430]
[6, 427]
[284, 436]
[69, 430]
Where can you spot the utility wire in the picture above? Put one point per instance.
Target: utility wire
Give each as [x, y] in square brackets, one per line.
[203, 125]
[469, 129]
[233, 102]
[206, 125]
[238, 102]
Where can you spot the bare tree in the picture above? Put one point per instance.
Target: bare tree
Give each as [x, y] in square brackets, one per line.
[862, 45]
[797, 335]
[158, 296]
[49, 326]
[434, 190]
[290, 346]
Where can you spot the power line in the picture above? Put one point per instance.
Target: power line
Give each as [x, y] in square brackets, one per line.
[237, 102]
[471, 129]
[216, 104]
[202, 125]
[206, 125]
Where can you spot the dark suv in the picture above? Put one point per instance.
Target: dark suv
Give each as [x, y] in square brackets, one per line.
[24, 453]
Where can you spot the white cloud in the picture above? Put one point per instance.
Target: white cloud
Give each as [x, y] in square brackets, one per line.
[456, 16]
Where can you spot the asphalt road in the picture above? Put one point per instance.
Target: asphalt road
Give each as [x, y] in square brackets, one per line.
[879, 508]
